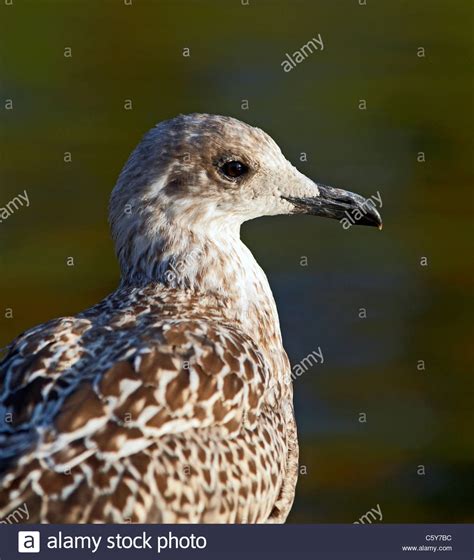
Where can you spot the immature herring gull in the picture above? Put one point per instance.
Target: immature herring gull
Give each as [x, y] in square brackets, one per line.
[169, 400]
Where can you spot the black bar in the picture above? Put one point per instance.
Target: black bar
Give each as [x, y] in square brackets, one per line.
[242, 542]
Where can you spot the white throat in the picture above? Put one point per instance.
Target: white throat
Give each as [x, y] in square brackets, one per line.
[221, 268]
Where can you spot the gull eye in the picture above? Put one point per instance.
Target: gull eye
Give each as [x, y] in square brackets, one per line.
[234, 169]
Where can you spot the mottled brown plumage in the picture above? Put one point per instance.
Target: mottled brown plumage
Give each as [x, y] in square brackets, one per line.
[168, 401]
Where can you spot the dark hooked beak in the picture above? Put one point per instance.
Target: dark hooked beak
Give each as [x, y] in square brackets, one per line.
[340, 205]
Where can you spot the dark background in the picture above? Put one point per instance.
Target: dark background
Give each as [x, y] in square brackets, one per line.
[414, 104]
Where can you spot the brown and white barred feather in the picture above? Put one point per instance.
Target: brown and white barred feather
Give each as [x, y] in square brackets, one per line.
[143, 410]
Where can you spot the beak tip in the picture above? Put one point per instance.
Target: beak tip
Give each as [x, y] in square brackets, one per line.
[339, 204]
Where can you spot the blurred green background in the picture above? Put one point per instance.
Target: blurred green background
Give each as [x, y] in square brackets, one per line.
[414, 104]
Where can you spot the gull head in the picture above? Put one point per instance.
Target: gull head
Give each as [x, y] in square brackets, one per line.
[202, 176]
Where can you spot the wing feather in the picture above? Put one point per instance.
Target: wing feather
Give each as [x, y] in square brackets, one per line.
[88, 408]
